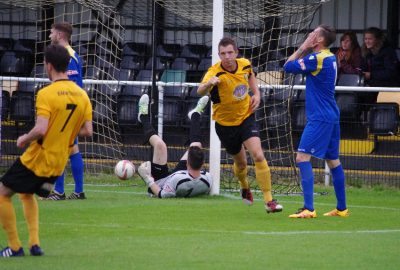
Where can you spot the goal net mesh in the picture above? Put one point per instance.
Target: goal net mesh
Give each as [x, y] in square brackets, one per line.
[267, 32]
[118, 38]
[97, 38]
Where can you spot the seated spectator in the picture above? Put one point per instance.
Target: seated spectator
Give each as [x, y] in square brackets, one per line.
[379, 59]
[379, 63]
[349, 54]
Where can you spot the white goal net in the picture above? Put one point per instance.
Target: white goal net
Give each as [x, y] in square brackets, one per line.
[97, 37]
[141, 41]
[267, 32]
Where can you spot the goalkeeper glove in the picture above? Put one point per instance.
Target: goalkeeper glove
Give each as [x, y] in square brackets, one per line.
[144, 171]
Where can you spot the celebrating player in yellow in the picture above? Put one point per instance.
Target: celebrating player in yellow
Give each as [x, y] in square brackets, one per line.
[63, 111]
[228, 83]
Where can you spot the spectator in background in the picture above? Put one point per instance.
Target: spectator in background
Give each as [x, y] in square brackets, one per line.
[349, 54]
[379, 63]
[379, 59]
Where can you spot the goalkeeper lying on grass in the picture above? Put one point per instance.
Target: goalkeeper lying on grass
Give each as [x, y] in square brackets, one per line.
[186, 179]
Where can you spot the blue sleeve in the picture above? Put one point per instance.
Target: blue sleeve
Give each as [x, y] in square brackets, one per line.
[75, 71]
[302, 65]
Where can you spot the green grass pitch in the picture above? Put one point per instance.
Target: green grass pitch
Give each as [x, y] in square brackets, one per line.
[119, 227]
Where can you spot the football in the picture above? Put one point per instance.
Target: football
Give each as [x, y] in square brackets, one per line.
[124, 169]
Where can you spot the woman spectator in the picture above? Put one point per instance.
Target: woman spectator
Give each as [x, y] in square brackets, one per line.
[379, 63]
[349, 54]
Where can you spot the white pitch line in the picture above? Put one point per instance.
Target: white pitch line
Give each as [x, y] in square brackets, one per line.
[108, 226]
[325, 232]
[117, 192]
[131, 226]
[284, 232]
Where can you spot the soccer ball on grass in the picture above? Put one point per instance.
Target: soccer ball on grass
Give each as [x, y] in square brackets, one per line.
[124, 169]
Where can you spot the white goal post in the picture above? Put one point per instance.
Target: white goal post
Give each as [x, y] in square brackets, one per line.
[215, 144]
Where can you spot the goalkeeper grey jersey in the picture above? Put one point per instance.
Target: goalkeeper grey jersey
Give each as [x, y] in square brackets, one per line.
[182, 184]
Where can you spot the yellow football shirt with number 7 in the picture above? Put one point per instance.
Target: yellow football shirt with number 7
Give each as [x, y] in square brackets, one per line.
[67, 106]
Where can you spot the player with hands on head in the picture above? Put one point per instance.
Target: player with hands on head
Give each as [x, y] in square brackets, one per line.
[321, 134]
[228, 83]
[63, 111]
[186, 179]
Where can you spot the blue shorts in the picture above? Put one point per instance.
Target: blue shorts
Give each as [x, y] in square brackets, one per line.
[321, 140]
[76, 141]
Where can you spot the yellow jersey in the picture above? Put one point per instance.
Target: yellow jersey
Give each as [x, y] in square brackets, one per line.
[230, 97]
[67, 106]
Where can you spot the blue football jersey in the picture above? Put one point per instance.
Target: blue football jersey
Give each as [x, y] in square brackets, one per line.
[74, 70]
[321, 70]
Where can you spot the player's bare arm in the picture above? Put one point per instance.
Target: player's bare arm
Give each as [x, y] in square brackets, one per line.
[37, 132]
[155, 189]
[86, 129]
[255, 99]
[205, 88]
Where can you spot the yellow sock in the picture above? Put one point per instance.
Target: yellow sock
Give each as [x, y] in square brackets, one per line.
[31, 213]
[9, 222]
[242, 176]
[263, 177]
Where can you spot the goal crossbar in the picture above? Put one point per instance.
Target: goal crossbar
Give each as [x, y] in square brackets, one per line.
[185, 84]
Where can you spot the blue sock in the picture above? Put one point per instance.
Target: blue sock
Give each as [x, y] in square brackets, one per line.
[77, 171]
[307, 183]
[339, 185]
[59, 185]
